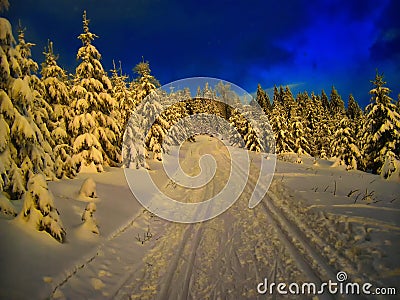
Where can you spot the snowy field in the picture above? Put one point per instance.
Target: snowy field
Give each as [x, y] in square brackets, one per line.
[315, 221]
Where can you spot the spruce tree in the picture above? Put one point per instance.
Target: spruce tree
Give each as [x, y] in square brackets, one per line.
[94, 127]
[382, 130]
[337, 113]
[344, 146]
[39, 210]
[125, 103]
[134, 153]
[144, 83]
[354, 111]
[318, 125]
[155, 138]
[25, 149]
[42, 154]
[12, 181]
[299, 142]
[25, 153]
[263, 100]
[56, 93]
[336, 104]
[248, 136]
[357, 123]
[280, 126]
[325, 101]
[288, 100]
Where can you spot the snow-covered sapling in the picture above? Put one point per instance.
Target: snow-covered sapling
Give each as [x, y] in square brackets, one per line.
[88, 188]
[39, 210]
[88, 219]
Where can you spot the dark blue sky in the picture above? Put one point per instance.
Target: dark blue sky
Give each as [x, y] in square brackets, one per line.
[309, 45]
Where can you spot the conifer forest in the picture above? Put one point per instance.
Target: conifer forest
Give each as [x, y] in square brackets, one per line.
[66, 136]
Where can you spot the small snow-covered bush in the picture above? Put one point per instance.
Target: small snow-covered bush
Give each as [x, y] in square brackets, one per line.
[88, 188]
[391, 167]
[88, 219]
[39, 210]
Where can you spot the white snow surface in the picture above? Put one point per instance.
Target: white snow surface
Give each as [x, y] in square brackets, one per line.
[315, 220]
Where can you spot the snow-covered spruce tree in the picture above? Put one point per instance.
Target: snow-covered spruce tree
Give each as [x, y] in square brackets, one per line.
[152, 109]
[24, 149]
[336, 104]
[93, 126]
[246, 131]
[157, 138]
[122, 95]
[11, 177]
[56, 94]
[345, 147]
[322, 132]
[303, 103]
[307, 111]
[382, 130]
[305, 108]
[144, 83]
[325, 101]
[263, 100]
[23, 160]
[318, 124]
[39, 211]
[337, 113]
[357, 123]
[288, 100]
[277, 96]
[354, 110]
[299, 142]
[134, 153]
[280, 126]
[42, 154]
[391, 167]
[237, 121]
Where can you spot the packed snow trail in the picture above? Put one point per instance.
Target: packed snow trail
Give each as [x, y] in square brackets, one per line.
[223, 258]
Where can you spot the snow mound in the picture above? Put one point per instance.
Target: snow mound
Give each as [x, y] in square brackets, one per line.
[90, 223]
[88, 189]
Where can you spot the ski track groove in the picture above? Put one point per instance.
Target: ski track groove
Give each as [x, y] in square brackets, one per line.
[287, 234]
[290, 232]
[298, 244]
[166, 289]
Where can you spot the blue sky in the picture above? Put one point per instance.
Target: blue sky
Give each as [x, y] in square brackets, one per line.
[309, 45]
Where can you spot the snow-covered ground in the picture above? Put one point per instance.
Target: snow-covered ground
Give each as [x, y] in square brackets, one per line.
[314, 222]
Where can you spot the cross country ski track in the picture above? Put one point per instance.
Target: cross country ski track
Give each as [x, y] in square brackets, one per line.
[223, 258]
